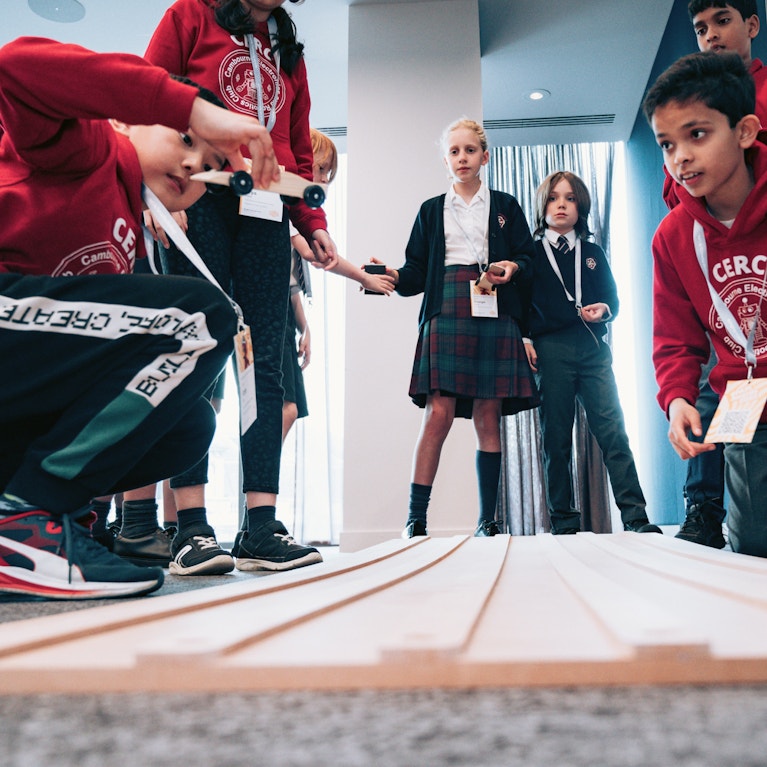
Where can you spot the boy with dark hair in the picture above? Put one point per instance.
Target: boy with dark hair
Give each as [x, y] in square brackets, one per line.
[105, 370]
[720, 27]
[709, 280]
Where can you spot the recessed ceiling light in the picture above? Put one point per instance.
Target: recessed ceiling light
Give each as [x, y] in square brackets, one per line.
[65, 11]
[538, 94]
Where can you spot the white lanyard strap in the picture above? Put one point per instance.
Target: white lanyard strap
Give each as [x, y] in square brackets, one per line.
[166, 221]
[251, 40]
[555, 266]
[730, 323]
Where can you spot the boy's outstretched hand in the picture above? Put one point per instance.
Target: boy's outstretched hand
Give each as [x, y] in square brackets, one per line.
[683, 419]
[228, 131]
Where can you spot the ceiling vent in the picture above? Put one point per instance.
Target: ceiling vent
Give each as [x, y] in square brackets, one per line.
[549, 122]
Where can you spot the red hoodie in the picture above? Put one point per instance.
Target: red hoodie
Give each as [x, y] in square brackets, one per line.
[683, 314]
[189, 42]
[70, 187]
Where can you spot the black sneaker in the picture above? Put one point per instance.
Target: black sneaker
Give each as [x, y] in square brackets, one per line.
[703, 525]
[198, 553]
[487, 529]
[152, 550]
[414, 528]
[271, 548]
[55, 558]
[641, 525]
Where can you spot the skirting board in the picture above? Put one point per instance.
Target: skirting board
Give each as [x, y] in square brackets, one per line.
[613, 609]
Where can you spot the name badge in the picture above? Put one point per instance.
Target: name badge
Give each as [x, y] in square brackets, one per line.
[739, 411]
[484, 303]
[246, 374]
[261, 204]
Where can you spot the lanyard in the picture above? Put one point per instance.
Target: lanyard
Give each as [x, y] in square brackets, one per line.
[555, 266]
[728, 320]
[481, 260]
[163, 217]
[251, 40]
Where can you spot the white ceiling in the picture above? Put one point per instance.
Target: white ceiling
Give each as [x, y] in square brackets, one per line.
[594, 56]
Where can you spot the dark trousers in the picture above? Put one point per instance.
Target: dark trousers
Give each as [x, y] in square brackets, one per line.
[705, 472]
[571, 363]
[103, 382]
[746, 477]
[250, 258]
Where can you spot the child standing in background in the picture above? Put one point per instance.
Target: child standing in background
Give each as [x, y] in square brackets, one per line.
[247, 53]
[574, 296]
[470, 360]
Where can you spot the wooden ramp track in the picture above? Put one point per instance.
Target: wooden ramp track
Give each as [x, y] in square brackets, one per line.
[451, 612]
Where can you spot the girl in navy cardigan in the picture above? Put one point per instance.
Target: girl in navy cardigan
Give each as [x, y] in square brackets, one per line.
[470, 360]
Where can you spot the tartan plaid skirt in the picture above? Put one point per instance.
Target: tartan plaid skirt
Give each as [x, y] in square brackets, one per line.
[471, 357]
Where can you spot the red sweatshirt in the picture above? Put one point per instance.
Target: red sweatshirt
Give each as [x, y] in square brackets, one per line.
[70, 187]
[683, 314]
[189, 42]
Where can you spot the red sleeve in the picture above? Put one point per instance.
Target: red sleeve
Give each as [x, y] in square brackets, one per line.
[168, 47]
[680, 343]
[304, 218]
[53, 97]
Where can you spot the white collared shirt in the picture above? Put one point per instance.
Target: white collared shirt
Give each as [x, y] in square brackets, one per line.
[466, 227]
[553, 237]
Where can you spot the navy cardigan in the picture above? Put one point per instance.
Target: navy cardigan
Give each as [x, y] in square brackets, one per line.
[509, 239]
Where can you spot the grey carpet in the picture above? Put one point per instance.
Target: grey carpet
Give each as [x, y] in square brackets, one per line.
[635, 727]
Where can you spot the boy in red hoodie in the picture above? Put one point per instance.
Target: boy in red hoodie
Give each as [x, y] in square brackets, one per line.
[104, 371]
[709, 279]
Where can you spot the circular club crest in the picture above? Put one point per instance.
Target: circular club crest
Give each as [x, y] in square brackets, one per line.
[743, 300]
[99, 258]
[591, 263]
[238, 85]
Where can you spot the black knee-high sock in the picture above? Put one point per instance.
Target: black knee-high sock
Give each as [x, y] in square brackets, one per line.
[419, 502]
[139, 518]
[488, 476]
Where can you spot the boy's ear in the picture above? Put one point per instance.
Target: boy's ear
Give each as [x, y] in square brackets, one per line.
[752, 26]
[120, 127]
[748, 128]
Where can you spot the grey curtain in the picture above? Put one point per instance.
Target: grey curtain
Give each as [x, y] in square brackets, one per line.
[522, 501]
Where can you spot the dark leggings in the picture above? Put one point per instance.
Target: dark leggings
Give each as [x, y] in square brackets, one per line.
[250, 257]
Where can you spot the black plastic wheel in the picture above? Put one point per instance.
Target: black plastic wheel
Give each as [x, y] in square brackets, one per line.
[241, 183]
[314, 196]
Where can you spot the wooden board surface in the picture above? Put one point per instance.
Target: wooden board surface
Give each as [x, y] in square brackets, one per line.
[588, 609]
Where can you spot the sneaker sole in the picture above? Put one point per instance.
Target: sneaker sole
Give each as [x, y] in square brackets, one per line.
[218, 565]
[251, 565]
[14, 580]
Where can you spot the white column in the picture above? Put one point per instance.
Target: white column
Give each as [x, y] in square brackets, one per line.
[413, 69]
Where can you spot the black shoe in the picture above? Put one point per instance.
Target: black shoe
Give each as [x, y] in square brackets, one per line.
[152, 550]
[564, 531]
[703, 525]
[55, 558]
[271, 548]
[198, 553]
[236, 546]
[487, 529]
[641, 525]
[414, 528]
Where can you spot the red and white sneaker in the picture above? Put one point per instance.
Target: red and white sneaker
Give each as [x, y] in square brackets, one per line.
[55, 558]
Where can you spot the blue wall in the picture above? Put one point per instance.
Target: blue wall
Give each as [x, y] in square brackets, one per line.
[663, 482]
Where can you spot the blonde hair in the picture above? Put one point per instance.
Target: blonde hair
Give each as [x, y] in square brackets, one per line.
[324, 151]
[464, 122]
